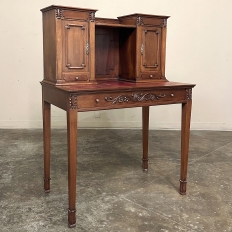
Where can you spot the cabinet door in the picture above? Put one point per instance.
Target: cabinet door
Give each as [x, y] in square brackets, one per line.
[151, 52]
[76, 46]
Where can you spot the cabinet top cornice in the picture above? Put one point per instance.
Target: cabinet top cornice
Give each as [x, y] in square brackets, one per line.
[66, 8]
[94, 10]
[144, 15]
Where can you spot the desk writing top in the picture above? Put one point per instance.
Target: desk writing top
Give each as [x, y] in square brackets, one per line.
[112, 86]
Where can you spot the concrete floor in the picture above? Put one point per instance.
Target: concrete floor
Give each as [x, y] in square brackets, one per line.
[113, 194]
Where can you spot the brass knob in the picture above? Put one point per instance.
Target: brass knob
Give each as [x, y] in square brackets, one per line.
[77, 78]
[151, 76]
[97, 100]
[172, 95]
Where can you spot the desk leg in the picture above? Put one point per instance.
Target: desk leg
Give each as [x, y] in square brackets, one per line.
[145, 118]
[72, 159]
[185, 133]
[47, 144]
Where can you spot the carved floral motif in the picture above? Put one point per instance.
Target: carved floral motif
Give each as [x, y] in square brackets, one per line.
[188, 94]
[164, 23]
[59, 14]
[92, 16]
[72, 101]
[135, 97]
[139, 20]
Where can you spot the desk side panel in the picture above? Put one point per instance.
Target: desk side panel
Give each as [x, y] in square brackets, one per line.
[56, 97]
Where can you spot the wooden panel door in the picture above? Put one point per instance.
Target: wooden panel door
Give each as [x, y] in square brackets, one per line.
[151, 53]
[76, 46]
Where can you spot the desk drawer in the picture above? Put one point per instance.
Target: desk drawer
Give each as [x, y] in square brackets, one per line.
[130, 99]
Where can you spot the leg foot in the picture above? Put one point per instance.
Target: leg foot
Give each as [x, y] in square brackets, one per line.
[145, 165]
[71, 218]
[47, 185]
[183, 184]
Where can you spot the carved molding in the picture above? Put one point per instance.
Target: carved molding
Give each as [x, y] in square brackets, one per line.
[139, 20]
[188, 94]
[92, 16]
[164, 23]
[135, 97]
[72, 101]
[59, 14]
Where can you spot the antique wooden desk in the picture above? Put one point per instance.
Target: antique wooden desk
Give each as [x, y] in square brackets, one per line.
[100, 64]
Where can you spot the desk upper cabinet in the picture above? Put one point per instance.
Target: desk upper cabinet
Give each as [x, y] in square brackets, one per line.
[68, 45]
[150, 46]
[79, 48]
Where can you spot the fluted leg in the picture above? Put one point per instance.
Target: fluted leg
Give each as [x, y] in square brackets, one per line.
[47, 144]
[72, 154]
[185, 134]
[145, 118]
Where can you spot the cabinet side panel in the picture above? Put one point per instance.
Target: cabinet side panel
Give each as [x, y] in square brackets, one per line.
[49, 45]
[127, 51]
[163, 51]
[106, 40]
[92, 50]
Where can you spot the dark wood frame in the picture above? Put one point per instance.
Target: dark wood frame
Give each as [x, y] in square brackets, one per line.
[131, 75]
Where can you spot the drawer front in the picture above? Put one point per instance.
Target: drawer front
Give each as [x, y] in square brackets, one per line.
[153, 75]
[152, 21]
[70, 14]
[130, 99]
[75, 77]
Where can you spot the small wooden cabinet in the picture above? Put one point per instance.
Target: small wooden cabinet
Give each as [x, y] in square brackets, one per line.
[79, 48]
[68, 35]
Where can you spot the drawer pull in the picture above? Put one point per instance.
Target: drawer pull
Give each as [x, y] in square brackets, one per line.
[151, 76]
[97, 100]
[172, 95]
[69, 66]
[77, 78]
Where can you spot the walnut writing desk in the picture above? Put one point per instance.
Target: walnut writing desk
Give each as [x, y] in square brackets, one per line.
[100, 64]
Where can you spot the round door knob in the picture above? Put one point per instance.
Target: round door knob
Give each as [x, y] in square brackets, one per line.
[97, 100]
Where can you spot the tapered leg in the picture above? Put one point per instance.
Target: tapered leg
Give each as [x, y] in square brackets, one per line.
[72, 154]
[47, 144]
[145, 118]
[185, 133]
